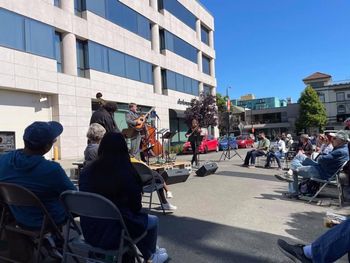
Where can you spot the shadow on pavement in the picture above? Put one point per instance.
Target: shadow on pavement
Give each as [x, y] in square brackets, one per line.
[193, 240]
[257, 176]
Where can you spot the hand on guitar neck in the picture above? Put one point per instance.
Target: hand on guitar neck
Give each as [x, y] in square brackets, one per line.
[140, 122]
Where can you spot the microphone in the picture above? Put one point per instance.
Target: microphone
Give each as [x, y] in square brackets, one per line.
[154, 114]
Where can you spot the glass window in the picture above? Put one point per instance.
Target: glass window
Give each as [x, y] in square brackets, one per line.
[58, 50]
[79, 7]
[11, 30]
[143, 27]
[188, 85]
[116, 63]
[162, 39]
[206, 65]
[180, 47]
[348, 95]
[340, 96]
[81, 58]
[341, 109]
[195, 87]
[179, 11]
[146, 72]
[39, 38]
[57, 3]
[322, 97]
[206, 89]
[97, 7]
[171, 80]
[180, 83]
[132, 67]
[98, 58]
[205, 35]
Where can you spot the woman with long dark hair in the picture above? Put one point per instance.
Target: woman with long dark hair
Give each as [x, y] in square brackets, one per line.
[113, 176]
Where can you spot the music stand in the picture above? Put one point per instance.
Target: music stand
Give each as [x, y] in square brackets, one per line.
[227, 153]
[168, 135]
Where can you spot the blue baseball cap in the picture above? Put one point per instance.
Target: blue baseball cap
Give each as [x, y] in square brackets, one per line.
[41, 133]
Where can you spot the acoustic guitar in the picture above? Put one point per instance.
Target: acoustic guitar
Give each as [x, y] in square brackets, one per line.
[142, 119]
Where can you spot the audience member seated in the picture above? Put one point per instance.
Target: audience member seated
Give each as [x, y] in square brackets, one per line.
[324, 145]
[94, 135]
[326, 165]
[113, 176]
[28, 168]
[277, 151]
[261, 150]
[347, 124]
[329, 247]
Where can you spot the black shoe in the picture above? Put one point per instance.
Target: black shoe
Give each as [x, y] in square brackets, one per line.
[284, 178]
[290, 195]
[294, 252]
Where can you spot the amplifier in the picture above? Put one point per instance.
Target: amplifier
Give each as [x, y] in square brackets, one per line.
[175, 176]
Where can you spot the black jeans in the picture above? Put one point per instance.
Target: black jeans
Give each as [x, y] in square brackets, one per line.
[251, 155]
[194, 147]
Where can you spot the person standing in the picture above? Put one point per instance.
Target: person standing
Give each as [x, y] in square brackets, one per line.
[194, 137]
[131, 119]
[105, 116]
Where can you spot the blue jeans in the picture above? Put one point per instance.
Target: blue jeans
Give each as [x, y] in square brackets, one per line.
[148, 244]
[251, 155]
[306, 170]
[277, 156]
[333, 244]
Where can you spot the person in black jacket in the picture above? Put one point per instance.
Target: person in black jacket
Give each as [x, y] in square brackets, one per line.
[194, 137]
[113, 176]
[105, 116]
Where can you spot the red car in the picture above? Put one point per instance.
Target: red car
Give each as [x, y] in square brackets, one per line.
[244, 141]
[209, 143]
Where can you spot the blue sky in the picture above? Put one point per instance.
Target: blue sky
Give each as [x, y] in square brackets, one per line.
[267, 47]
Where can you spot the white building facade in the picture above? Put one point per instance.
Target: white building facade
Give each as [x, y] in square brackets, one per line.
[55, 55]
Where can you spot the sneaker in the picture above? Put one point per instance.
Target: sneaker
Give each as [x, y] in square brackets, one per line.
[245, 165]
[283, 178]
[294, 252]
[169, 206]
[159, 257]
[291, 195]
[169, 195]
[160, 250]
[290, 172]
[251, 166]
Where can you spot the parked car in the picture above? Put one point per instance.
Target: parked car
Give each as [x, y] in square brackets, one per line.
[209, 143]
[244, 141]
[223, 142]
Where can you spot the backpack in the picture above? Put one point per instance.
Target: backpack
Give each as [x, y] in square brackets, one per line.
[308, 187]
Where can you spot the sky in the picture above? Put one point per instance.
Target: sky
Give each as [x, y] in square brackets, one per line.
[266, 47]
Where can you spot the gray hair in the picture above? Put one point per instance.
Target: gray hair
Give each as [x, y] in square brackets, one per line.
[95, 132]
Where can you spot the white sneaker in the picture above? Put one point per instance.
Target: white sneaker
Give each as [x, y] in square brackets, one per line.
[169, 206]
[290, 172]
[160, 250]
[159, 257]
[169, 195]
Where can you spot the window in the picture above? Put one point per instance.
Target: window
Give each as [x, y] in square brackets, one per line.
[206, 65]
[178, 82]
[26, 34]
[195, 87]
[58, 51]
[179, 11]
[132, 68]
[57, 3]
[341, 109]
[79, 7]
[180, 47]
[322, 97]
[146, 73]
[98, 57]
[116, 63]
[348, 96]
[206, 89]
[340, 96]
[204, 35]
[81, 58]
[97, 7]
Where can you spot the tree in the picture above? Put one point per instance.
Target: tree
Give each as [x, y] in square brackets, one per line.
[312, 112]
[203, 109]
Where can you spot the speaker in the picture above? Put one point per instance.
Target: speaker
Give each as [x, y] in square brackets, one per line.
[175, 176]
[206, 169]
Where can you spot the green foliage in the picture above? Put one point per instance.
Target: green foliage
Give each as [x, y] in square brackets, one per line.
[177, 149]
[203, 109]
[312, 112]
[221, 102]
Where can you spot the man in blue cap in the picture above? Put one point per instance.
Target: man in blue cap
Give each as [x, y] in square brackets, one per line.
[28, 168]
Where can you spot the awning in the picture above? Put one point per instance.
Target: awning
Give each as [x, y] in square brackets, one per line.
[176, 114]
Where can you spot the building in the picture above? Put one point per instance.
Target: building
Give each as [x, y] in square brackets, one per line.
[55, 55]
[249, 101]
[334, 95]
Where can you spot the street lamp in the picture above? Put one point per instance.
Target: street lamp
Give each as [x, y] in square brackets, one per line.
[228, 111]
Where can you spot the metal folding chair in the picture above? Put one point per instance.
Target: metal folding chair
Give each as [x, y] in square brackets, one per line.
[95, 206]
[333, 180]
[15, 195]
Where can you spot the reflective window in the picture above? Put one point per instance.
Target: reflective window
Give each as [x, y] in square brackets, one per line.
[58, 50]
[11, 30]
[57, 3]
[146, 72]
[322, 97]
[178, 82]
[132, 67]
[341, 109]
[116, 63]
[81, 58]
[206, 89]
[98, 57]
[205, 35]
[340, 96]
[98, 7]
[180, 47]
[79, 7]
[171, 80]
[179, 11]
[195, 87]
[206, 65]
[188, 85]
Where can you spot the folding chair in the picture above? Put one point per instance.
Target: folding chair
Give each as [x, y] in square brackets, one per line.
[156, 183]
[333, 180]
[15, 195]
[95, 206]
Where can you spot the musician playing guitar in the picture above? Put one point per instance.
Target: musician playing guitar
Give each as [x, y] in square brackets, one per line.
[132, 120]
[194, 137]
